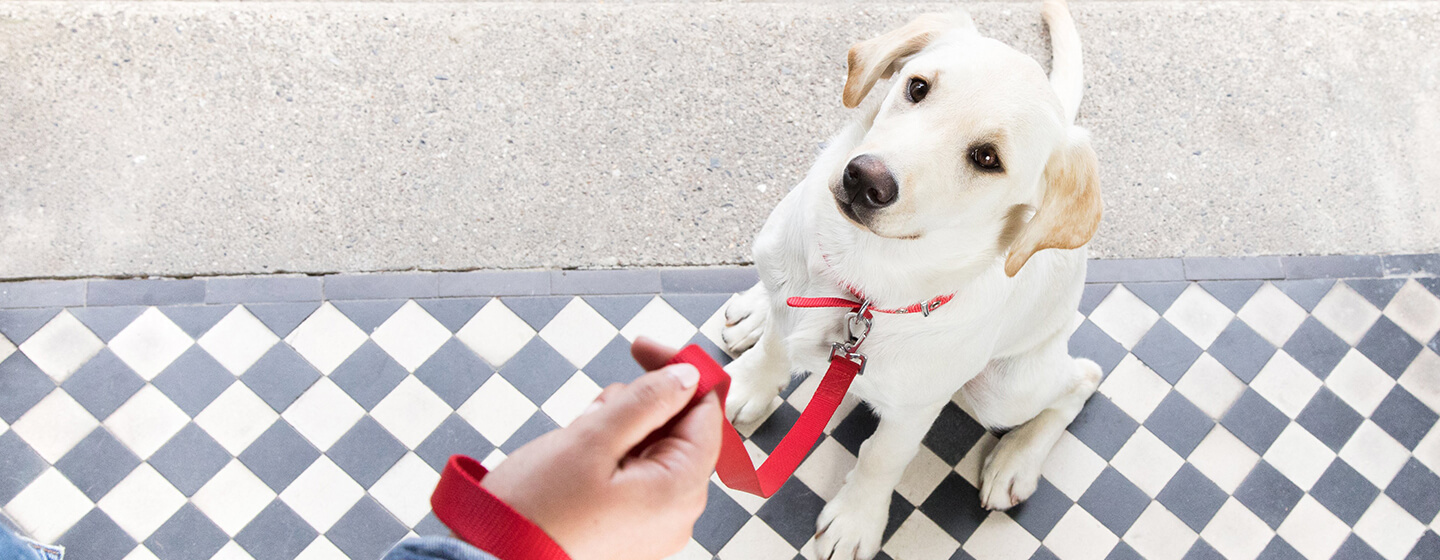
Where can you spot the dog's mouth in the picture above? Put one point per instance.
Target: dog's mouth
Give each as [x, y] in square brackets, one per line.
[847, 209]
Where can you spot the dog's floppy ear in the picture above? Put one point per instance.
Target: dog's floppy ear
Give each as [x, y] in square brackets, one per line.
[874, 59]
[1070, 211]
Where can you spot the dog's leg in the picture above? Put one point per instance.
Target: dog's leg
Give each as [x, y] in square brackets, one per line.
[745, 319]
[852, 525]
[758, 375]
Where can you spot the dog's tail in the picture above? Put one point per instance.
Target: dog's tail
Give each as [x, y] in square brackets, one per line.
[1067, 72]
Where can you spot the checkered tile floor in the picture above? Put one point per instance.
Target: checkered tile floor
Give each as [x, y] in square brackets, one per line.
[1239, 419]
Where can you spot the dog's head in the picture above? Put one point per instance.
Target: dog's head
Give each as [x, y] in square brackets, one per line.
[969, 144]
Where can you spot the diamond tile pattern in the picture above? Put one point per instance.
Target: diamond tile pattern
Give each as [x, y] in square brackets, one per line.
[1242, 418]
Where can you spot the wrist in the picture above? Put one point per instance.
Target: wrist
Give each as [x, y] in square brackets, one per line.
[483, 520]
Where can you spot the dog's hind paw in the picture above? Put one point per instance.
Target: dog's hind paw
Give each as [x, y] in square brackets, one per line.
[745, 319]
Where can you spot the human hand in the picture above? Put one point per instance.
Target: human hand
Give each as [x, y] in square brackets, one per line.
[597, 496]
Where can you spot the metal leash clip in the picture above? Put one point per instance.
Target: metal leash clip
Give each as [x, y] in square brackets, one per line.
[857, 327]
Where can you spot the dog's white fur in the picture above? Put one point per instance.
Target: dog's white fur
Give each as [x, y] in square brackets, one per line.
[1000, 345]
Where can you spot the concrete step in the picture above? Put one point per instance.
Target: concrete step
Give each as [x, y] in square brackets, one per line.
[179, 138]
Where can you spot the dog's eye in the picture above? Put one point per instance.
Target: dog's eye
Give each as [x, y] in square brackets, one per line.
[985, 157]
[916, 89]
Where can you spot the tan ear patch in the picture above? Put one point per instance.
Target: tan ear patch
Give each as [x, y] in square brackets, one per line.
[874, 59]
[1070, 211]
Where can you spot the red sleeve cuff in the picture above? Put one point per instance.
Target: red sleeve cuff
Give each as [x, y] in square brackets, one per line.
[483, 520]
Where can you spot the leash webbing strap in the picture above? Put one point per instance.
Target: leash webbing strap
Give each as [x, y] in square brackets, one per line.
[484, 520]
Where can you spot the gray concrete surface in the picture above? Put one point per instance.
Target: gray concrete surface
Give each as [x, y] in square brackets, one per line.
[189, 138]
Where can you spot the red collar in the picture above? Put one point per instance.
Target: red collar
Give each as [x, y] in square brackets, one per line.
[923, 308]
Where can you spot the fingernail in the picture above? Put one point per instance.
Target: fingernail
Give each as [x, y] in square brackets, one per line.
[592, 408]
[686, 374]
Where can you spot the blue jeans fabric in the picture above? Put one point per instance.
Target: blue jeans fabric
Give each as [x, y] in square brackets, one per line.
[432, 548]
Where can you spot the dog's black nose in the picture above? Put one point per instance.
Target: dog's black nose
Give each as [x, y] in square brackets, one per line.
[868, 183]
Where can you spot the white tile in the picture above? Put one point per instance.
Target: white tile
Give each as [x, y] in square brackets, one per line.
[323, 413]
[1375, 454]
[322, 494]
[1286, 384]
[405, 489]
[749, 502]
[800, 397]
[238, 340]
[1299, 456]
[1210, 386]
[233, 497]
[232, 551]
[825, 469]
[141, 553]
[973, 463]
[1236, 532]
[411, 411]
[1388, 529]
[1079, 536]
[1072, 466]
[578, 333]
[1135, 388]
[411, 335]
[147, 421]
[571, 399]
[1000, 538]
[659, 321]
[1158, 535]
[497, 409]
[48, 507]
[1147, 461]
[1346, 313]
[918, 538]
[712, 327]
[1199, 315]
[921, 477]
[692, 551]
[6, 348]
[1415, 310]
[236, 418]
[1273, 314]
[150, 343]
[493, 460]
[326, 338]
[1428, 452]
[1359, 382]
[321, 549]
[1224, 459]
[1312, 530]
[495, 333]
[756, 540]
[54, 425]
[1422, 379]
[142, 502]
[1124, 317]
[61, 346]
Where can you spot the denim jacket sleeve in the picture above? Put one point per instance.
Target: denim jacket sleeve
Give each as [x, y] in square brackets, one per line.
[436, 548]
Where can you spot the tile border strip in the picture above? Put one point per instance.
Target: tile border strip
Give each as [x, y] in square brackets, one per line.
[718, 279]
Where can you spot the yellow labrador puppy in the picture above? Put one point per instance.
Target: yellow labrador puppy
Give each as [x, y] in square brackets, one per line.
[968, 181]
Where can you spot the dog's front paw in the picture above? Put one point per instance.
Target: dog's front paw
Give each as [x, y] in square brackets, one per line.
[745, 320]
[1011, 472]
[851, 527]
[749, 402]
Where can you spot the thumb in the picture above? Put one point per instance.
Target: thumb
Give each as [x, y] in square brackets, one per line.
[623, 421]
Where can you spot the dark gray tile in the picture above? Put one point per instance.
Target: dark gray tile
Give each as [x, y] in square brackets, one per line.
[1241, 350]
[954, 505]
[719, 280]
[106, 322]
[454, 372]
[618, 310]
[1089, 341]
[1412, 265]
[1389, 346]
[193, 380]
[1042, 553]
[720, 521]
[619, 281]
[277, 533]
[366, 452]
[1316, 348]
[1355, 549]
[769, 433]
[1232, 293]
[536, 311]
[1417, 490]
[19, 465]
[368, 375]
[23, 385]
[42, 293]
[453, 312]
[1042, 511]
[856, 428]
[1123, 551]
[1192, 497]
[1103, 426]
[454, 436]
[281, 318]
[1307, 293]
[1329, 419]
[1179, 423]
[1268, 494]
[368, 314]
[96, 537]
[190, 459]
[1114, 501]
[613, 364]
[1427, 549]
[494, 283]
[900, 510]
[1202, 550]
[97, 463]
[538, 425]
[381, 286]
[279, 455]
[145, 292]
[1378, 291]
[1158, 295]
[953, 434]
[280, 376]
[18, 324]
[1255, 421]
[1167, 351]
[792, 511]
[187, 535]
[263, 289]
[196, 320]
[1092, 296]
[1333, 266]
[697, 308]
[1343, 491]
[366, 531]
[1432, 284]
[431, 526]
[538, 370]
[1134, 270]
[1233, 268]
[102, 384]
[1404, 417]
[712, 350]
[1278, 549]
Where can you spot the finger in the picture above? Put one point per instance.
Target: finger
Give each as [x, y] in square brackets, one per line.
[640, 408]
[649, 354]
[693, 445]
